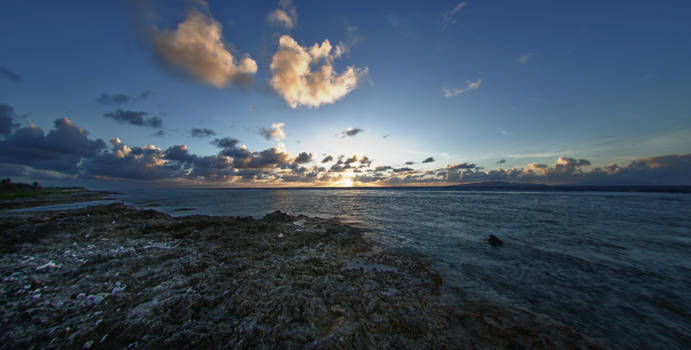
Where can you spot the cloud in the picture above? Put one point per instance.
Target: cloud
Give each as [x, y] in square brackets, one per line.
[501, 161]
[450, 92]
[159, 133]
[197, 47]
[327, 159]
[135, 118]
[139, 163]
[351, 132]
[305, 75]
[201, 133]
[276, 132]
[9, 75]
[523, 58]
[448, 16]
[61, 149]
[285, 15]
[121, 100]
[409, 163]
[303, 157]
[7, 117]
[428, 160]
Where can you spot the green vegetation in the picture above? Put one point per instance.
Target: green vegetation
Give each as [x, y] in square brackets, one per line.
[9, 190]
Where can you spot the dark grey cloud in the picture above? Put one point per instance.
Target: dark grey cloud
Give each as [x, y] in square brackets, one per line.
[134, 163]
[159, 133]
[61, 149]
[428, 160]
[383, 168]
[400, 170]
[351, 132]
[135, 118]
[409, 163]
[201, 133]
[501, 161]
[303, 157]
[465, 165]
[327, 159]
[179, 153]
[7, 118]
[9, 75]
[121, 99]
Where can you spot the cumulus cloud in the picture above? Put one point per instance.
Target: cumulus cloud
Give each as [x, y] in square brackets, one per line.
[428, 160]
[303, 157]
[61, 149]
[523, 58]
[305, 75]
[200, 133]
[197, 47]
[9, 75]
[135, 118]
[7, 118]
[139, 163]
[409, 163]
[351, 132]
[285, 15]
[276, 132]
[121, 99]
[327, 159]
[448, 16]
[451, 92]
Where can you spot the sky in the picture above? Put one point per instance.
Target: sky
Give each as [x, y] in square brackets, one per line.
[357, 93]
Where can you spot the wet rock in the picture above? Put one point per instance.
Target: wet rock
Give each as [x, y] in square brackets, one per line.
[495, 241]
[222, 282]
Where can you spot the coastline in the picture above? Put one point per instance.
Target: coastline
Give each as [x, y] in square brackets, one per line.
[63, 197]
[114, 276]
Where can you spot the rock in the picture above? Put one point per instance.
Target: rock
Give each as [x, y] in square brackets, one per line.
[494, 241]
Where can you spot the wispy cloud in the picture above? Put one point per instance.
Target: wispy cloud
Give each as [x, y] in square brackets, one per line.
[285, 15]
[276, 132]
[451, 92]
[305, 75]
[523, 58]
[197, 47]
[135, 118]
[447, 17]
[9, 75]
[200, 133]
[351, 132]
[121, 99]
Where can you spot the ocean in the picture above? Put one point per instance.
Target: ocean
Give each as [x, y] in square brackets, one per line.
[614, 266]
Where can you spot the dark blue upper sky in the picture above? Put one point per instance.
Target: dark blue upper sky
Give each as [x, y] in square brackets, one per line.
[472, 82]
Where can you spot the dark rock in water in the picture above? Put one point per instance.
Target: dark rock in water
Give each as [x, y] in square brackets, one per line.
[184, 209]
[495, 241]
[278, 216]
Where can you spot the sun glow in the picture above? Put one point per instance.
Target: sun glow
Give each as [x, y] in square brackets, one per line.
[343, 182]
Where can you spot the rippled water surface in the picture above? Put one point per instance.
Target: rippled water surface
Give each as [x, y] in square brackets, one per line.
[615, 266]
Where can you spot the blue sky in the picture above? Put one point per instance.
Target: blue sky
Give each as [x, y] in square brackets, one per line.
[472, 82]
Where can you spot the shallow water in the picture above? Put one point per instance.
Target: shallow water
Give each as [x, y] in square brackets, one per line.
[614, 266]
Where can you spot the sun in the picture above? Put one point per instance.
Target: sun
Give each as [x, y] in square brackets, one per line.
[342, 182]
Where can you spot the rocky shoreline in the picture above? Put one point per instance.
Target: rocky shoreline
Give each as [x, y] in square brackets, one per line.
[113, 276]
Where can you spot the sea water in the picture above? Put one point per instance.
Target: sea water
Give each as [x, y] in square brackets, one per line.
[614, 266]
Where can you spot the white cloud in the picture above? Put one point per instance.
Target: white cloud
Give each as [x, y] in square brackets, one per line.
[197, 47]
[450, 92]
[286, 15]
[448, 16]
[305, 75]
[276, 132]
[523, 59]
